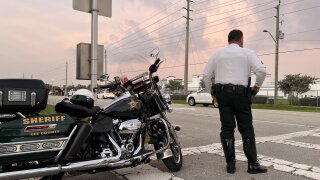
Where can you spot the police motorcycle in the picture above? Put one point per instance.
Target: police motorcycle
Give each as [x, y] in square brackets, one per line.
[82, 138]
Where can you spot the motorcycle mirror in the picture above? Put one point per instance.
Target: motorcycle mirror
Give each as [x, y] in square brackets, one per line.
[155, 52]
[95, 90]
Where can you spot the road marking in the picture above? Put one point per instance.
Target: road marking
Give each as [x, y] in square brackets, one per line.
[272, 122]
[312, 172]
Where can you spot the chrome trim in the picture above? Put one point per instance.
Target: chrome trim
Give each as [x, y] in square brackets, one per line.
[51, 127]
[1, 98]
[21, 115]
[65, 144]
[40, 143]
[139, 147]
[23, 94]
[7, 116]
[33, 99]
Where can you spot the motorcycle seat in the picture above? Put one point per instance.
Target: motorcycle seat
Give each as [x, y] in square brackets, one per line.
[75, 110]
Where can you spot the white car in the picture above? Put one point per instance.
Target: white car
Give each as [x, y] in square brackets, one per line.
[199, 97]
[105, 95]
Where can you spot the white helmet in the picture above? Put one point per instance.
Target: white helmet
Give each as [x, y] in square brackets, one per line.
[83, 97]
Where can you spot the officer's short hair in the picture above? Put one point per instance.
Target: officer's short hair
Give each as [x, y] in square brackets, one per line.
[235, 35]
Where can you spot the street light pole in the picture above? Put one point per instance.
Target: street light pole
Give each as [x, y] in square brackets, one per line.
[276, 40]
[276, 58]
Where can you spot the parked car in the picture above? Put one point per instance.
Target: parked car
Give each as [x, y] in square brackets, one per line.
[199, 97]
[105, 95]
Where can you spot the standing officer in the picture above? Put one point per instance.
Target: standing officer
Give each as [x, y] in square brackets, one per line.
[231, 68]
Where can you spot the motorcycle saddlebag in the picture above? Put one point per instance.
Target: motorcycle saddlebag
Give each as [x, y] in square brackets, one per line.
[23, 95]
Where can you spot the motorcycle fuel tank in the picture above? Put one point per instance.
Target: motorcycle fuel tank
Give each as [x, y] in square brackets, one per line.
[125, 108]
[34, 138]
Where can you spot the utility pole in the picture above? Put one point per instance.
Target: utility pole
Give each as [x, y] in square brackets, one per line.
[23, 76]
[277, 56]
[66, 87]
[31, 76]
[187, 47]
[105, 62]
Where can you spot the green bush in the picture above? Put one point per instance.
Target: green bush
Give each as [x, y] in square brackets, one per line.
[260, 100]
[307, 102]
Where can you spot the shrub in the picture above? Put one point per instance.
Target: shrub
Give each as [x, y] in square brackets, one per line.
[260, 100]
[308, 102]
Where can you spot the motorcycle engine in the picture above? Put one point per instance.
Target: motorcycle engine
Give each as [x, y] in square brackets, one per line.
[127, 131]
[129, 126]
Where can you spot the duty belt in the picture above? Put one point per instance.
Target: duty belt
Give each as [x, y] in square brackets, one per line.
[230, 88]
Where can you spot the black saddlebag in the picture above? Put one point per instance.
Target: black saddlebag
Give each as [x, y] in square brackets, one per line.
[23, 95]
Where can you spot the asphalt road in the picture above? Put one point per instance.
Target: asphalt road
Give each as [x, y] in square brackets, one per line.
[287, 142]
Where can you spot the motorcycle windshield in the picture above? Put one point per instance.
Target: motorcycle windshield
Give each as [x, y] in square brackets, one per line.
[129, 66]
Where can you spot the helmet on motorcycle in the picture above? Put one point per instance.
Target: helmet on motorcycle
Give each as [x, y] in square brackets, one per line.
[83, 97]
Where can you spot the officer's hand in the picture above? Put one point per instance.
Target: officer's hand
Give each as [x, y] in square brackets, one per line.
[254, 90]
[214, 101]
[214, 98]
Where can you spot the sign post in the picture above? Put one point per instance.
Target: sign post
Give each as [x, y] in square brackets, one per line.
[95, 7]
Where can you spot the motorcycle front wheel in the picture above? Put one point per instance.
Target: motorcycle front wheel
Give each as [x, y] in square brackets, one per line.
[174, 163]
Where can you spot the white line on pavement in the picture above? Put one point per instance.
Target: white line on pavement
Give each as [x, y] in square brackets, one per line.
[312, 172]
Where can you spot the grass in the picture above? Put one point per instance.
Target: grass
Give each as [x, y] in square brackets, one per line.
[48, 110]
[283, 106]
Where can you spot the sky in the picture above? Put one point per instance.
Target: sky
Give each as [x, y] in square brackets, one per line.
[38, 37]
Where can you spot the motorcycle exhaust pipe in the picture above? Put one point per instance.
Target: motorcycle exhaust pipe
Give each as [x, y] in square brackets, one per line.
[30, 173]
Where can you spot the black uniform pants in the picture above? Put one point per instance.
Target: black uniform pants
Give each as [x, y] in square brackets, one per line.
[235, 109]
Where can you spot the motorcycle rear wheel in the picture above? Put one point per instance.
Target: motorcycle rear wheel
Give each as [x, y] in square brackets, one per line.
[174, 163]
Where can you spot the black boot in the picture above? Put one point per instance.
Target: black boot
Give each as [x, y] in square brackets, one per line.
[249, 148]
[229, 153]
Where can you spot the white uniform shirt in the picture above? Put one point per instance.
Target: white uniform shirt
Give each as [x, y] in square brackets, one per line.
[233, 65]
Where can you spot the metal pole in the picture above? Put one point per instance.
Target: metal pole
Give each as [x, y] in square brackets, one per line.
[276, 58]
[66, 87]
[186, 51]
[94, 39]
[105, 62]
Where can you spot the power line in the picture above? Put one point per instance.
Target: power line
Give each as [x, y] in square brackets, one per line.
[144, 28]
[218, 6]
[148, 33]
[252, 7]
[179, 33]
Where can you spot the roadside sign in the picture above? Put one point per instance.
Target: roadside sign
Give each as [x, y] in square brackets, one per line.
[104, 6]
